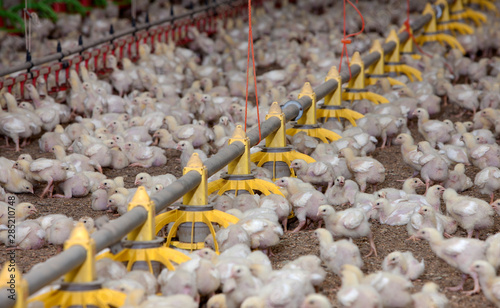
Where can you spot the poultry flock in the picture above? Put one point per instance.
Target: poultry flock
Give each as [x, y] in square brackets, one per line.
[358, 239]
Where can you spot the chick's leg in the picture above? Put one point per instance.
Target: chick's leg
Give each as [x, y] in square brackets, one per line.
[373, 249]
[299, 227]
[460, 286]
[477, 287]
[46, 190]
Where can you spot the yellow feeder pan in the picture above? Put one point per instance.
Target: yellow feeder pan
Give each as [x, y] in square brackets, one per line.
[445, 23]
[12, 280]
[408, 47]
[308, 122]
[276, 155]
[80, 288]
[143, 250]
[356, 88]
[432, 34]
[459, 12]
[332, 108]
[378, 69]
[484, 4]
[393, 64]
[239, 178]
[194, 219]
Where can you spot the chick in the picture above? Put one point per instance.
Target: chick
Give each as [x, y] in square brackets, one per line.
[316, 173]
[336, 254]
[353, 293]
[430, 297]
[366, 170]
[279, 205]
[472, 214]
[179, 281]
[60, 231]
[458, 180]
[411, 155]
[488, 181]
[342, 192]
[351, 223]
[22, 211]
[490, 283]
[403, 263]
[457, 252]
[305, 206]
[293, 185]
[240, 286]
[316, 301]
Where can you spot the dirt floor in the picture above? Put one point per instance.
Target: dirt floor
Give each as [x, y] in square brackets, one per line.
[292, 245]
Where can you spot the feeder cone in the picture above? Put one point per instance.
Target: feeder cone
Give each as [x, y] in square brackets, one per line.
[377, 70]
[445, 23]
[12, 280]
[431, 33]
[80, 287]
[239, 177]
[308, 123]
[191, 213]
[276, 150]
[393, 64]
[332, 108]
[459, 12]
[142, 247]
[356, 89]
[408, 47]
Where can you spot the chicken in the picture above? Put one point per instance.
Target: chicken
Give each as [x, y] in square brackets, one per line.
[29, 235]
[305, 206]
[179, 281]
[489, 282]
[457, 252]
[148, 181]
[411, 155]
[43, 170]
[393, 288]
[403, 263]
[353, 293]
[409, 187]
[352, 223]
[60, 231]
[472, 214]
[263, 233]
[458, 180]
[79, 161]
[454, 153]
[434, 167]
[311, 264]
[163, 139]
[493, 249]
[207, 276]
[316, 173]
[14, 126]
[145, 157]
[316, 301]
[432, 130]
[58, 137]
[240, 286]
[488, 181]
[342, 192]
[293, 186]
[228, 237]
[187, 150]
[366, 170]
[279, 205]
[336, 254]
[22, 211]
[427, 217]
[429, 296]
[482, 155]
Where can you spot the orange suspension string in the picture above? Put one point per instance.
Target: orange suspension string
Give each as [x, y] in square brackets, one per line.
[250, 49]
[345, 41]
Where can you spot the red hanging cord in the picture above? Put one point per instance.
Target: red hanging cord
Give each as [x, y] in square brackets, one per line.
[345, 41]
[250, 49]
[408, 30]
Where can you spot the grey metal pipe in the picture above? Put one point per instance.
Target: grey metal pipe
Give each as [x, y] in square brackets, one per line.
[106, 39]
[117, 229]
